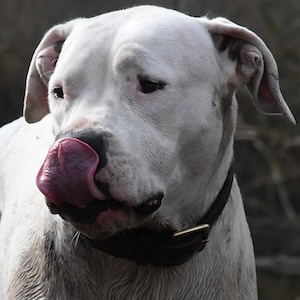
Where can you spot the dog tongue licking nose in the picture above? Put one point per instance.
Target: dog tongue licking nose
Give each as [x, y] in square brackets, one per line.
[67, 174]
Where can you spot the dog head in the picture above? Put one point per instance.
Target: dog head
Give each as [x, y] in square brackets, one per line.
[144, 113]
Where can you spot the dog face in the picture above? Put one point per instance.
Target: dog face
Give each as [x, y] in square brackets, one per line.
[141, 101]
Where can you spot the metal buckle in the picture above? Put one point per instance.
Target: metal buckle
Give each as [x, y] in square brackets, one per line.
[203, 227]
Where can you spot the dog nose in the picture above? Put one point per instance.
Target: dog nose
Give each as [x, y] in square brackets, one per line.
[95, 140]
[67, 174]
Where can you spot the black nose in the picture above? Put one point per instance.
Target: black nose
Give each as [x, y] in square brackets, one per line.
[95, 140]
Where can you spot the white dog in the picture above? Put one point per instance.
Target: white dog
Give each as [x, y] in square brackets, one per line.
[138, 177]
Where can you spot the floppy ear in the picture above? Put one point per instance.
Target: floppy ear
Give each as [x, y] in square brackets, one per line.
[41, 68]
[256, 66]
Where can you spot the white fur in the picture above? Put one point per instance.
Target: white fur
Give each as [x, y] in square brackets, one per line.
[178, 140]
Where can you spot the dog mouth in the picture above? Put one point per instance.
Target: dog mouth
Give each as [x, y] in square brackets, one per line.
[66, 178]
[90, 213]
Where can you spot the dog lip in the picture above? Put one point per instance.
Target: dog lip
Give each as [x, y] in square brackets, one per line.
[150, 206]
[89, 214]
[147, 207]
[86, 215]
[54, 208]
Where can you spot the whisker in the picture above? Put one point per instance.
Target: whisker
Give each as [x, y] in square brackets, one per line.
[75, 238]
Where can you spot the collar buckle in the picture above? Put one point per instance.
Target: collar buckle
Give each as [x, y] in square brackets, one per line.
[204, 228]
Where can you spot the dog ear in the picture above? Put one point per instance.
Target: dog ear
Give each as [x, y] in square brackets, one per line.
[256, 66]
[41, 68]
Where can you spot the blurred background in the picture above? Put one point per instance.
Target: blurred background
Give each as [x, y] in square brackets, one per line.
[267, 148]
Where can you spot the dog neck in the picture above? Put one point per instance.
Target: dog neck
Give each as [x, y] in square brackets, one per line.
[145, 246]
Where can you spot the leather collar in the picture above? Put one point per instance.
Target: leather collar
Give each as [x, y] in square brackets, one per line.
[145, 246]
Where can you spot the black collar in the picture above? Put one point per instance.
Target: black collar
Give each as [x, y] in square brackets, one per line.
[166, 248]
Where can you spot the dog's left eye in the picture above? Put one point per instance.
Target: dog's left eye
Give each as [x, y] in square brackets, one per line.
[148, 86]
[58, 92]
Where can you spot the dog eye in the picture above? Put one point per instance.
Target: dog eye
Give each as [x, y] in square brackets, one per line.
[58, 92]
[148, 86]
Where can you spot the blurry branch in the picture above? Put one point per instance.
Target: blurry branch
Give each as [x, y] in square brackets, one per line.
[277, 177]
[292, 142]
[283, 256]
[272, 146]
[282, 264]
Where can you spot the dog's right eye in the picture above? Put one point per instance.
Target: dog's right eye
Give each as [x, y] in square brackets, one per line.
[58, 93]
[148, 86]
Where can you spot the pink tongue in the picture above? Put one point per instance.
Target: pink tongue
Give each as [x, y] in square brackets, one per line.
[67, 174]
